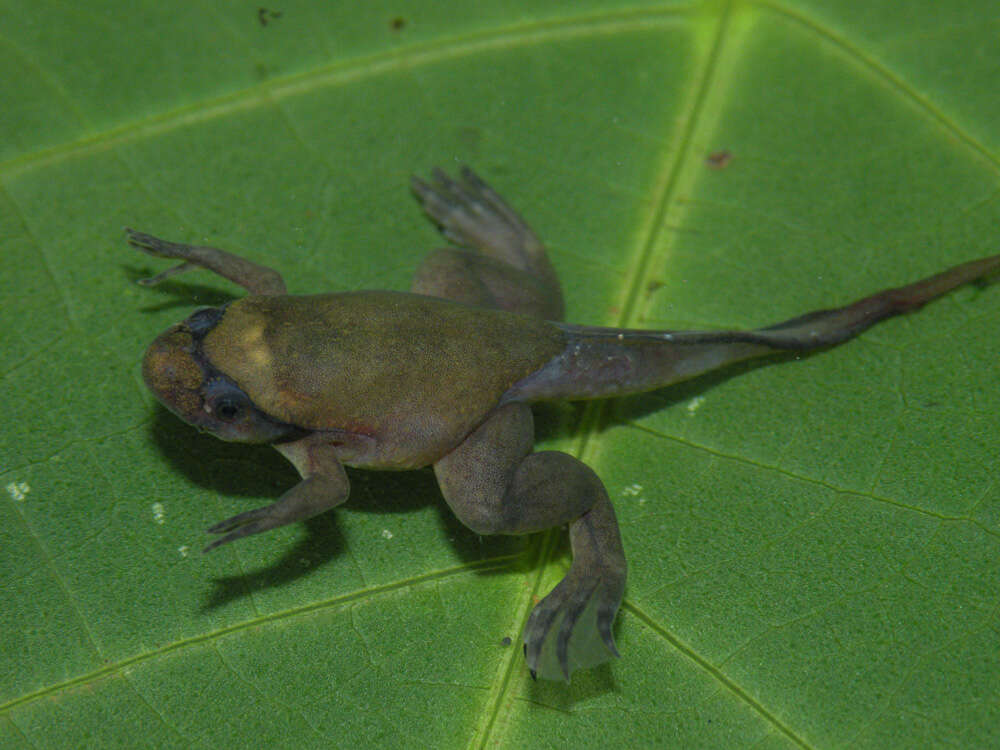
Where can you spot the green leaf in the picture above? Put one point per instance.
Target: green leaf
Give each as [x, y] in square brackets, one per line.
[814, 544]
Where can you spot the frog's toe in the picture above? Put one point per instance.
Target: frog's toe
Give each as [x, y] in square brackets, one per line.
[145, 242]
[452, 207]
[161, 249]
[244, 524]
[570, 628]
[155, 246]
[471, 214]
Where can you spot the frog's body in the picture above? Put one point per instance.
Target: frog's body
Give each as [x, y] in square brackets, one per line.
[444, 376]
[387, 365]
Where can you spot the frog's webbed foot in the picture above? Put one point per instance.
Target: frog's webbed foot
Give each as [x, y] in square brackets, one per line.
[471, 214]
[570, 628]
[255, 278]
[506, 266]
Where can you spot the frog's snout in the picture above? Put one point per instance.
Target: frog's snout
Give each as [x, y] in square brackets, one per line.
[173, 373]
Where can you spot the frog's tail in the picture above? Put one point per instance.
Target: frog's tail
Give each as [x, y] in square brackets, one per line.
[604, 362]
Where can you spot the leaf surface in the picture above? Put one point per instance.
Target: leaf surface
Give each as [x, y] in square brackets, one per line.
[814, 544]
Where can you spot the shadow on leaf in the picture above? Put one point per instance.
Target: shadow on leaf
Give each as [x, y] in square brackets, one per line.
[632, 408]
[323, 542]
[225, 468]
[179, 294]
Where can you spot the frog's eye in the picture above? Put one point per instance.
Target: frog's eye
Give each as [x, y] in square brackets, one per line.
[228, 409]
[229, 413]
[225, 402]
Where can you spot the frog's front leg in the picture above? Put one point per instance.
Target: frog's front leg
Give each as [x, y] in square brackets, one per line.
[324, 486]
[495, 485]
[255, 278]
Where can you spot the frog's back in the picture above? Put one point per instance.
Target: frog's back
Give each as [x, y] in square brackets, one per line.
[391, 365]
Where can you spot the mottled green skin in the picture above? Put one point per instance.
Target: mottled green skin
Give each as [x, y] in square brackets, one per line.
[414, 374]
[445, 377]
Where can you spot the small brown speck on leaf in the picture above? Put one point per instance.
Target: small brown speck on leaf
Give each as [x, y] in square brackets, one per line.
[719, 159]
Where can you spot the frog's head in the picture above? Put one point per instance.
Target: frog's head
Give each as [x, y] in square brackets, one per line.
[179, 374]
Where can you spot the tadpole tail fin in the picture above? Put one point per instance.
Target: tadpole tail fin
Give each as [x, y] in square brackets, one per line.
[831, 327]
[604, 362]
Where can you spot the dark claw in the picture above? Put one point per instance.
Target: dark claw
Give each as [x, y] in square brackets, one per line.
[149, 244]
[605, 619]
[463, 195]
[435, 203]
[537, 630]
[139, 239]
[159, 249]
[238, 520]
[219, 542]
[585, 611]
[479, 186]
[242, 531]
[239, 526]
[419, 187]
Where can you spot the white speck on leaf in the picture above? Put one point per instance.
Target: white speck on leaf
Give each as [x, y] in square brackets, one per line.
[695, 404]
[386, 534]
[632, 490]
[183, 550]
[159, 514]
[18, 490]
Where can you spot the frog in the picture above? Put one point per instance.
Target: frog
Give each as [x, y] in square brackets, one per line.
[445, 376]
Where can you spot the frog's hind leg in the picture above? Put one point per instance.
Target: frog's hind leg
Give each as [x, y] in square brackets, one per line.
[496, 485]
[505, 265]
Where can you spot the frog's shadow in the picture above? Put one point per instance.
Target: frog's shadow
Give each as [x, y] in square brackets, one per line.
[182, 295]
[221, 467]
[229, 469]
